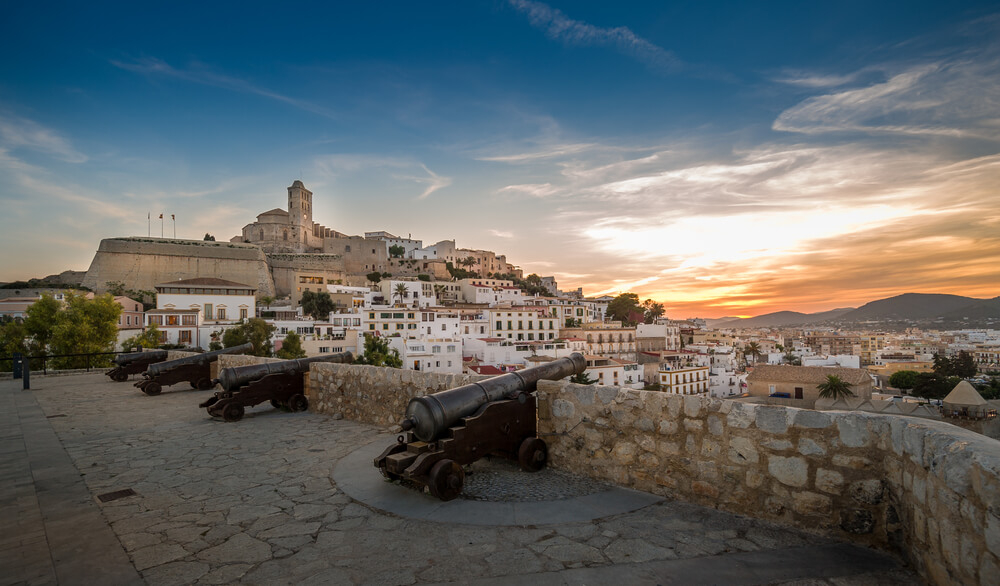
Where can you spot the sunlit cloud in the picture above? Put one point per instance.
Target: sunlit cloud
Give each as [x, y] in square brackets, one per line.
[17, 133]
[500, 234]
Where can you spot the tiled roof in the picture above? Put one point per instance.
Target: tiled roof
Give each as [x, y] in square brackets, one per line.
[485, 369]
[806, 374]
[207, 282]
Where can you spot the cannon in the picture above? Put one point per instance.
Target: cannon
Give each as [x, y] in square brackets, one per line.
[134, 363]
[453, 428]
[281, 383]
[196, 370]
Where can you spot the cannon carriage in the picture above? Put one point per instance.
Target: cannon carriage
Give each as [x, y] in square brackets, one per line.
[134, 363]
[454, 428]
[196, 370]
[280, 383]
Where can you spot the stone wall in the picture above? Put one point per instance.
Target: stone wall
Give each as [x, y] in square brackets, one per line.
[926, 489]
[370, 394]
[143, 263]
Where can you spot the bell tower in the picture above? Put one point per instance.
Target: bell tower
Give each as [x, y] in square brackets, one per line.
[300, 206]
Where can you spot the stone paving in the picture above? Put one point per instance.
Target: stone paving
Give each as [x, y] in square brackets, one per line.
[254, 502]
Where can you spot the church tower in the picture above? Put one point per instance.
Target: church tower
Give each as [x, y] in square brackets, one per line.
[300, 206]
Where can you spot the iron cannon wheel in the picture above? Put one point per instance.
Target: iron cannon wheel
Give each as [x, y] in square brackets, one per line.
[532, 455]
[203, 384]
[298, 403]
[152, 388]
[277, 404]
[232, 412]
[119, 377]
[446, 480]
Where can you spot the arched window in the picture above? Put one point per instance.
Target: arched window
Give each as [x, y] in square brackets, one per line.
[286, 235]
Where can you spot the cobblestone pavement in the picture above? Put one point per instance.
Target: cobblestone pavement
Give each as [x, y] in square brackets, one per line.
[253, 502]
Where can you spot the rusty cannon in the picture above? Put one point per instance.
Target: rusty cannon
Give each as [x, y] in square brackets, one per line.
[453, 428]
[196, 370]
[281, 383]
[134, 363]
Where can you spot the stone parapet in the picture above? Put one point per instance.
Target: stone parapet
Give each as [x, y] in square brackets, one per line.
[371, 394]
[924, 488]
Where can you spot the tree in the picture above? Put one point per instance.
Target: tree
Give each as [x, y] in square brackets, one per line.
[903, 379]
[963, 365]
[148, 339]
[13, 339]
[396, 251]
[401, 291]
[790, 358]
[942, 365]
[317, 304]
[753, 349]
[468, 261]
[625, 308]
[291, 347]
[933, 385]
[254, 330]
[374, 276]
[439, 291]
[267, 300]
[652, 311]
[424, 278]
[835, 388]
[209, 237]
[378, 353]
[582, 379]
[85, 326]
[39, 322]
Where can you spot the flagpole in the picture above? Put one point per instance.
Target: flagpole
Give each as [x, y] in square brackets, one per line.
[161, 225]
[173, 218]
[149, 222]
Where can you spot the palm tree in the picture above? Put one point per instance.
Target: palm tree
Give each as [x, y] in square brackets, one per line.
[582, 379]
[792, 359]
[401, 291]
[439, 291]
[835, 388]
[753, 349]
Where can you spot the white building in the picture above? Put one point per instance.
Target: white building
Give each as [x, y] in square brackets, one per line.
[614, 372]
[413, 297]
[430, 354]
[522, 324]
[189, 310]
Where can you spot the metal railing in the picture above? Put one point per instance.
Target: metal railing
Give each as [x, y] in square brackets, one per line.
[91, 361]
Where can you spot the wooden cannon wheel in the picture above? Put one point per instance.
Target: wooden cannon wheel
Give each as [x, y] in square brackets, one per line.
[204, 384]
[446, 480]
[533, 454]
[298, 402]
[119, 377]
[232, 412]
[152, 388]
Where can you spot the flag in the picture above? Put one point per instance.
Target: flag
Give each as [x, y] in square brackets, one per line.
[161, 216]
[148, 215]
[172, 217]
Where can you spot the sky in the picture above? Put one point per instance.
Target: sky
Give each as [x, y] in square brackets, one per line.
[722, 158]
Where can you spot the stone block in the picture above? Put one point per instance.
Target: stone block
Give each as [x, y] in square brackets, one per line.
[970, 556]
[562, 408]
[829, 481]
[913, 443]
[715, 425]
[853, 431]
[869, 492]
[646, 443]
[854, 462]
[772, 419]
[857, 521]
[741, 416]
[668, 427]
[665, 479]
[778, 445]
[704, 489]
[693, 425]
[624, 453]
[644, 424]
[606, 394]
[584, 394]
[811, 503]
[708, 471]
[649, 462]
[808, 447]
[755, 478]
[691, 444]
[792, 471]
[743, 450]
[693, 406]
[989, 568]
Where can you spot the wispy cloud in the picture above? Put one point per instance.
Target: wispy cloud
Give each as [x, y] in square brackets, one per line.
[21, 133]
[500, 234]
[198, 74]
[336, 165]
[560, 27]
[433, 180]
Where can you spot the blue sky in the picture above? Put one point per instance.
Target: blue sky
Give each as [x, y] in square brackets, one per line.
[722, 157]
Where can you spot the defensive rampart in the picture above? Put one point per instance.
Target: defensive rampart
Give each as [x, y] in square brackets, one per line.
[143, 263]
[926, 489]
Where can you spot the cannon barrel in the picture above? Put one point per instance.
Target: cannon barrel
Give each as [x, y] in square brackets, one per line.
[126, 359]
[431, 415]
[233, 378]
[159, 368]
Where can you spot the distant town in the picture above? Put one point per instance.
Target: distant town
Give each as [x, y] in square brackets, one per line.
[444, 309]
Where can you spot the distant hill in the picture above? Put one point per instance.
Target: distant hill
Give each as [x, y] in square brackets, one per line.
[978, 310]
[712, 322]
[783, 318]
[910, 307]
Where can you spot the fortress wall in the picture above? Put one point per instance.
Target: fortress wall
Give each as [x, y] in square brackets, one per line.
[143, 263]
[372, 394]
[284, 266]
[926, 489]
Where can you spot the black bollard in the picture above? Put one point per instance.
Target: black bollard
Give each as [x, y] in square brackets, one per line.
[18, 364]
[27, 376]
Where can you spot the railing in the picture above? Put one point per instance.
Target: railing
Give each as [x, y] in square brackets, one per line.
[91, 360]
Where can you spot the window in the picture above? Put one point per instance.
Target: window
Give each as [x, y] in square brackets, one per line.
[451, 349]
[171, 320]
[371, 326]
[184, 336]
[221, 313]
[243, 313]
[399, 326]
[520, 325]
[385, 326]
[188, 320]
[510, 325]
[208, 311]
[499, 326]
